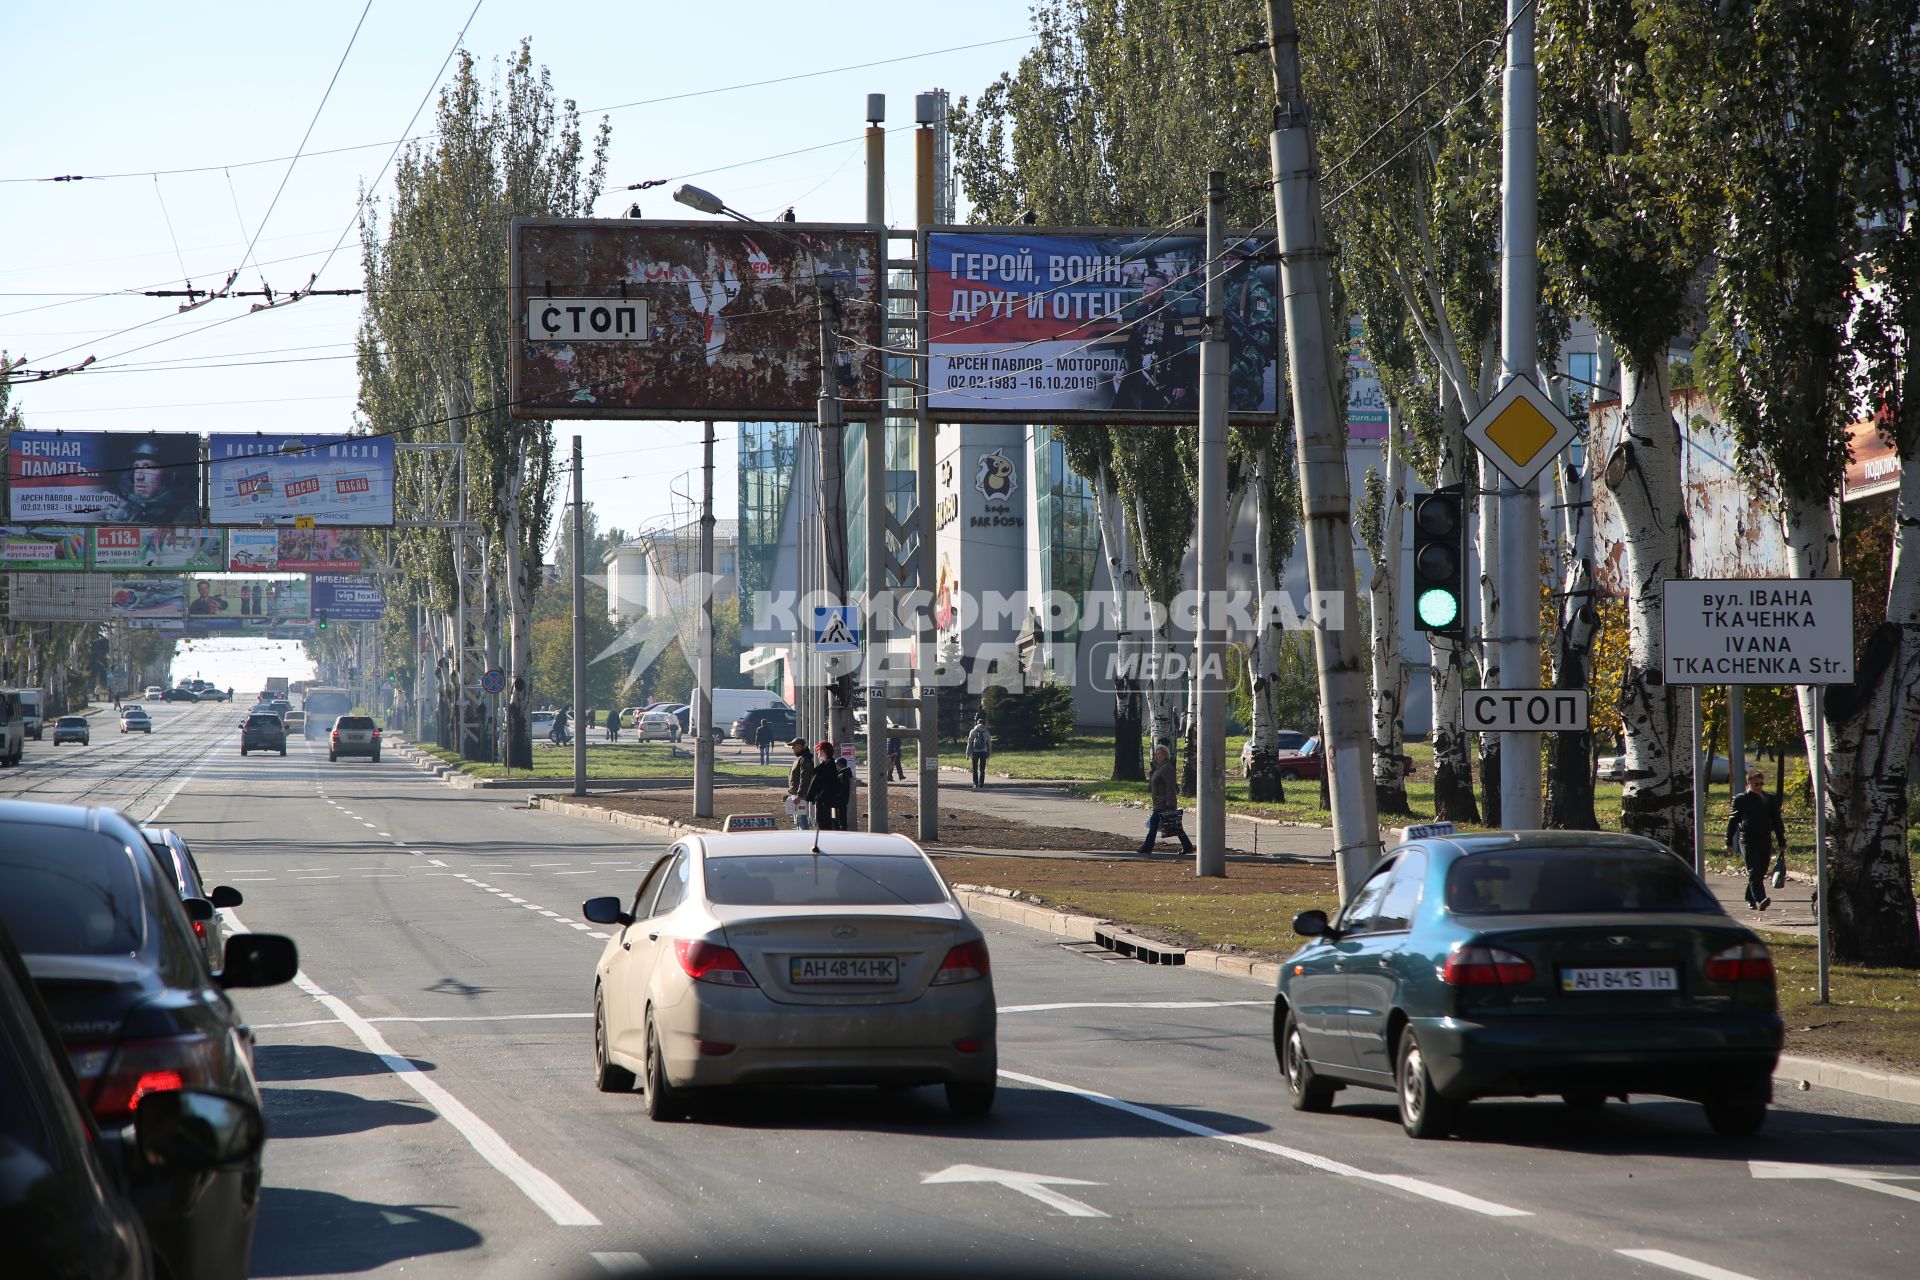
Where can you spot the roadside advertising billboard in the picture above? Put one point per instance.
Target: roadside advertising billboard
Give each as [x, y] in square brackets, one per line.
[335, 480]
[103, 477]
[298, 550]
[1066, 325]
[43, 548]
[1366, 400]
[130, 548]
[57, 597]
[629, 318]
[236, 603]
[148, 599]
[348, 599]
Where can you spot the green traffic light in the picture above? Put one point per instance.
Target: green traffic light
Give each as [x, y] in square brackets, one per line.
[1437, 608]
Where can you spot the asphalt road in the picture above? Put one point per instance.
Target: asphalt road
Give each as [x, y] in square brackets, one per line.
[430, 1100]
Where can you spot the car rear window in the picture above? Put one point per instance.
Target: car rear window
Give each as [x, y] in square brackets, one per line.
[822, 880]
[356, 722]
[73, 722]
[1573, 882]
[263, 718]
[64, 891]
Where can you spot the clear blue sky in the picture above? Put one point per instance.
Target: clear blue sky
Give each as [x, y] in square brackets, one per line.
[131, 88]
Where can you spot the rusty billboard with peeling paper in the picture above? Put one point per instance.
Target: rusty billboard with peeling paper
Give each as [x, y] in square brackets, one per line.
[1734, 532]
[629, 318]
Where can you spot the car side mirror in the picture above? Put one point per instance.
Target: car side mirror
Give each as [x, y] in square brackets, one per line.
[225, 895]
[194, 1131]
[1312, 924]
[198, 909]
[259, 960]
[605, 911]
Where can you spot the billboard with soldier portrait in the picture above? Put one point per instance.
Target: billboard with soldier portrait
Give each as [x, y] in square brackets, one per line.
[1029, 324]
[103, 477]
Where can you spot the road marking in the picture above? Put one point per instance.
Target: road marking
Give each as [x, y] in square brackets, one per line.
[619, 1263]
[576, 873]
[1038, 1186]
[1685, 1266]
[185, 778]
[444, 1017]
[549, 1196]
[316, 877]
[1865, 1179]
[1131, 1004]
[1414, 1186]
[387, 834]
[383, 875]
[248, 879]
[549, 864]
[433, 861]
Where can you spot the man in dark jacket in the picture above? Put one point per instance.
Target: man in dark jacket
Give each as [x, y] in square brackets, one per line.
[1755, 818]
[1164, 791]
[763, 738]
[824, 788]
[800, 782]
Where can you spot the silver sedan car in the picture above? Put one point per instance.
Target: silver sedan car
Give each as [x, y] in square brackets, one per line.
[792, 957]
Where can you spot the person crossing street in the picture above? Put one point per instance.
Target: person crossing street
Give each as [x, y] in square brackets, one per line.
[979, 747]
[1755, 818]
[1164, 790]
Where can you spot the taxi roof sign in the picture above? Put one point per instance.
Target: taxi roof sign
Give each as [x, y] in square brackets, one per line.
[1521, 431]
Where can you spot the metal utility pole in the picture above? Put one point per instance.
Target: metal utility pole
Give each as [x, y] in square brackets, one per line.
[874, 438]
[833, 499]
[930, 111]
[1210, 763]
[703, 693]
[1325, 495]
[579, 624]
[1518, 641]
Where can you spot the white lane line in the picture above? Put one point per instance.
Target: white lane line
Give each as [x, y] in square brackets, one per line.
[387, 834]
[248, 879]
[549, 1196]
[619, 1264]
[316, 877]
[433, 861]
[592, 934]
[1685, 1266]
[383, 875]
[1415, 1186]
[549, 864]
[463, 1017]
[366, 824]
[577, 873]
[1131, 1004]
[185, 778]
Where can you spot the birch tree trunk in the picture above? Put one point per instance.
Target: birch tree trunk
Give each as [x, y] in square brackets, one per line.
[1126, 589]
[1263, 654]
[1163, 700]
[1643, 471]
[1389, 669]
[1570, 754]
[1453, 795]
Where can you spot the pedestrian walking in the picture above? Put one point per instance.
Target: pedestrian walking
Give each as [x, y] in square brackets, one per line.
[1163, 790]
[845, 783]
[592, 718]
[1755, 818]
[823, 787]
[894, 769]
[799, 780]
[763, 737]
[613, 724]
[979, 747]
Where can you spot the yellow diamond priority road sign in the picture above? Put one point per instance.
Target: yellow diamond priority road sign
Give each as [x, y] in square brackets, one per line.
[1520, 431]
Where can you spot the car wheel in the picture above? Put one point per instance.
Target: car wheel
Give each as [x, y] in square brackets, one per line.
[607, 1076]
[1736, 1119]
[332, 758]
[1423, 1112]
[1305, 1090]
[663, 1099]
[1289, 775]
[243, 751]
[376, 757]
[970, 1101]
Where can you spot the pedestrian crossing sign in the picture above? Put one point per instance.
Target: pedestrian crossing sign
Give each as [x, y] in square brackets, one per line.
[836, 629]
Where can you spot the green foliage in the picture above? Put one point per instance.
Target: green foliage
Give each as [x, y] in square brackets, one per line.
[1029, 719]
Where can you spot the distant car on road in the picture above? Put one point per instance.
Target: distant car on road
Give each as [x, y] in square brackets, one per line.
[1306, 763]
[656, 726]
[155, 693]
[794, 958]
[211, 694]
[180, 693]
[354, 736]
[1284, 740]
[1585, 964]
[202, 903]
[747, 727]
[295, 721]
[262, 731]
[540, 725]
[1614, 768]
[134, 719]
[72, 729]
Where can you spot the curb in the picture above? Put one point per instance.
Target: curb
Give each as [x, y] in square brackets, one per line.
[1801, 1073]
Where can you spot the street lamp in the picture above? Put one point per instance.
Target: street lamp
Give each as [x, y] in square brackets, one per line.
[706, 202]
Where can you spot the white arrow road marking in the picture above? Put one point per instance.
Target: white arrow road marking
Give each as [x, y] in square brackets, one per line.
[1866, 1179]
[1038, 1186]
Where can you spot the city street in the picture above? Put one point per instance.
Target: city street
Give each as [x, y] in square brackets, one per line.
[432, 1112]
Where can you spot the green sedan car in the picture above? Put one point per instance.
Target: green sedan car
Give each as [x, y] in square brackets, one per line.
[1528, 963]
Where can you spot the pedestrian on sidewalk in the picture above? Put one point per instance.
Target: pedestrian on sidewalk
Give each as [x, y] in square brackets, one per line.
[1163, 792]
[799, 781]
[763, 738]
[894, 770]
[823, 787]
[593, 721]
[979, 747]
[1754, 819]
[613, 724]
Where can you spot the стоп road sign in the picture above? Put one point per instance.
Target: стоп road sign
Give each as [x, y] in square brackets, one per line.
[1521, 431]
[1526, 710]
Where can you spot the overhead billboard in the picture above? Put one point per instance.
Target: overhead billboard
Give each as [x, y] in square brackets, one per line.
[43, 548]
[628, 318]
[1733, 532]
[298, 550]
[269, 479]
[58, 597]
[236, 603]
[148, 599]
[131, 548]
[103, 477]
[1044, 325]
[348, 599]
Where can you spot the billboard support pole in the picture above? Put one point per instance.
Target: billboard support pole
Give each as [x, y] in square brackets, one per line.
[1210, 765]
[833, 498]
[703, 683]
[580, 621]
[1823, 940]
[928, 797]
[1326, 497]
[1702, 770]
[874, 440]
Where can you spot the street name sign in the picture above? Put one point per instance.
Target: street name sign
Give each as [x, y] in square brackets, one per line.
[1521, 431]
[1526, 710]
[1758, 631]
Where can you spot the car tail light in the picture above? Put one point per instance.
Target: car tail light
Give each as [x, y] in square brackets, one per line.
[137, 1068]
[1748, 962]
[199, 928]
[969, 1046]
[376, 733]
[1479, 965]
[711, 962]
[965, 963]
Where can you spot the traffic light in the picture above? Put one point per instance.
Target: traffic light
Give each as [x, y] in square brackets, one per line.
[1440, 561]
[320, 620]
